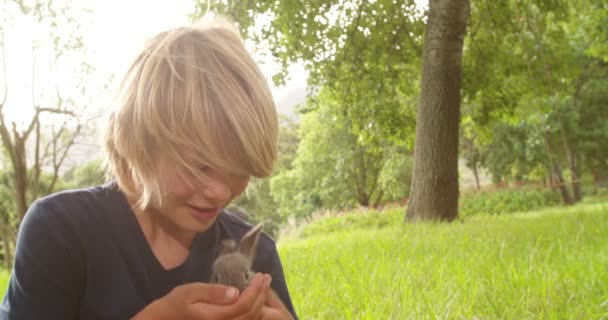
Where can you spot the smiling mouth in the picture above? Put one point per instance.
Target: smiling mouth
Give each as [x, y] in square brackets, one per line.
[204, 213]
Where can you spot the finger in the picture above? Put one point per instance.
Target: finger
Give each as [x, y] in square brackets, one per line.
[210, 293]
[247, 299]
[275, 309]
[273, 300]
[272, 314]
[256, 310]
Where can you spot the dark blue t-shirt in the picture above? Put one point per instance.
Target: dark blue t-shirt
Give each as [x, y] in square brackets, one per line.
[81, 254]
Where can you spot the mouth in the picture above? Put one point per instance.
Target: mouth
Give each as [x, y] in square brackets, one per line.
[203, 213]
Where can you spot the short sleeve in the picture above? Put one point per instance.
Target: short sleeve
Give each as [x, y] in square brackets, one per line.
[47, 277]
[268, 261]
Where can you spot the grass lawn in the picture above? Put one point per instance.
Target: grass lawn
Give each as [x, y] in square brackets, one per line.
[548, 264]
[4, 276]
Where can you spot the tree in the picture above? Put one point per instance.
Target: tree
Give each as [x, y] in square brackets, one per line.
[86, 175]
[59, 114]
[362, 54]
[434, 194]
[526, 65]
[258, 203]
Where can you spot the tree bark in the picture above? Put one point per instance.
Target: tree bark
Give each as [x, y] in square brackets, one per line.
[556, 172]
[434, 194]
[573, 160]
[576, 177]
[476, 174]
[558, 179]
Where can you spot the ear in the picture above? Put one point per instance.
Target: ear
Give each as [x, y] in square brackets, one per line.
[227, 246]
[249, 243]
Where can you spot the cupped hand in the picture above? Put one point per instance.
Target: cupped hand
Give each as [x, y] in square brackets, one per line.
[274, 308]
[202, 301]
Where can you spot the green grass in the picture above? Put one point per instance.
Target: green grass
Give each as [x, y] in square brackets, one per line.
[546, 264]
[4, 277]
[549, 264]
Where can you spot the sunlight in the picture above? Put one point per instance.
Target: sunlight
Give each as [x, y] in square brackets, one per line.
[113, 33]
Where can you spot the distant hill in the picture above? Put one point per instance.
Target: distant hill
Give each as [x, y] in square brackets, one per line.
[288, 101]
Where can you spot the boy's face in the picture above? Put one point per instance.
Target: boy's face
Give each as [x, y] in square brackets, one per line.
[195, 207]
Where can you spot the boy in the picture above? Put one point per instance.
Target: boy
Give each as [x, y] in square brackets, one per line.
[194, 121]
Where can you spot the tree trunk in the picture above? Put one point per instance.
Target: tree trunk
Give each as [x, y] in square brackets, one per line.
[558, 178]
[556, 172]
[476, 174]
[576, 177]
[573, 160]
[434, 194]
[20, 177]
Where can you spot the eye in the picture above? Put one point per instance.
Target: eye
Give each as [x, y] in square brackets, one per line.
[247, 275]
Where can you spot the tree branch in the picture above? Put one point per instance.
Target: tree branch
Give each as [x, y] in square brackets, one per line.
[354, 29]
[62, 158]
[5, 94]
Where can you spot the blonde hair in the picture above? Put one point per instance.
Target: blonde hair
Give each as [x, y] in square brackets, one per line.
[195, 96]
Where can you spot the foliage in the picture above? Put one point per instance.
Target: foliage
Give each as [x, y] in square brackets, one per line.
[502, 201]
[258, 203]
[481, 203]
[516, 152]
[86, 175]
[335, 168]
[533, 104]
[359, 218]
[526, 64]
[364, 79]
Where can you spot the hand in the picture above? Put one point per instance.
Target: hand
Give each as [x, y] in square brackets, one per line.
[200, 301]
[274, 308]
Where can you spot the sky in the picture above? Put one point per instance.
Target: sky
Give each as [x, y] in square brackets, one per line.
[114, 32]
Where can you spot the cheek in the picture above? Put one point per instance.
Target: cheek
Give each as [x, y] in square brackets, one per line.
[238, 185]
[176, 187]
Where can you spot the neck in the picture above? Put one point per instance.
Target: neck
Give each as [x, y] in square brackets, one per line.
[158, 229]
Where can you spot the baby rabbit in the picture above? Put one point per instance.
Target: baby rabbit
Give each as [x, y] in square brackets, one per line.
[233, 266]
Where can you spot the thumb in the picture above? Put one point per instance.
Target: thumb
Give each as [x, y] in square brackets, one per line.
[210, 293]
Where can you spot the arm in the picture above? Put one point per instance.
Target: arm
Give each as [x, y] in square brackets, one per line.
[47, 277]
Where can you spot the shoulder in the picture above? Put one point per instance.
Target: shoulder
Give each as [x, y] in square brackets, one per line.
[69, 209]
[75, 198]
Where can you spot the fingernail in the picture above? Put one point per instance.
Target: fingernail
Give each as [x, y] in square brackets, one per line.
[231, 293]
[267, 279]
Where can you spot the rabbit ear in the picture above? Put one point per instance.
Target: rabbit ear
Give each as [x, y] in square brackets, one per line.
[249, 243]
[227, 246]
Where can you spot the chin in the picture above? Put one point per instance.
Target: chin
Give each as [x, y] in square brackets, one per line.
[198, 226]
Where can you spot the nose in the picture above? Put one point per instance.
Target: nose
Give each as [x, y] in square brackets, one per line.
[216, 188]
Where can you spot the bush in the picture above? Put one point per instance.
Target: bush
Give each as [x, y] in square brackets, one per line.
[507, 201]
[493, 202]
[357, 219]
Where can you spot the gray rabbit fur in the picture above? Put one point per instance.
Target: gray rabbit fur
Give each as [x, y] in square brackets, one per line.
[233, 266]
